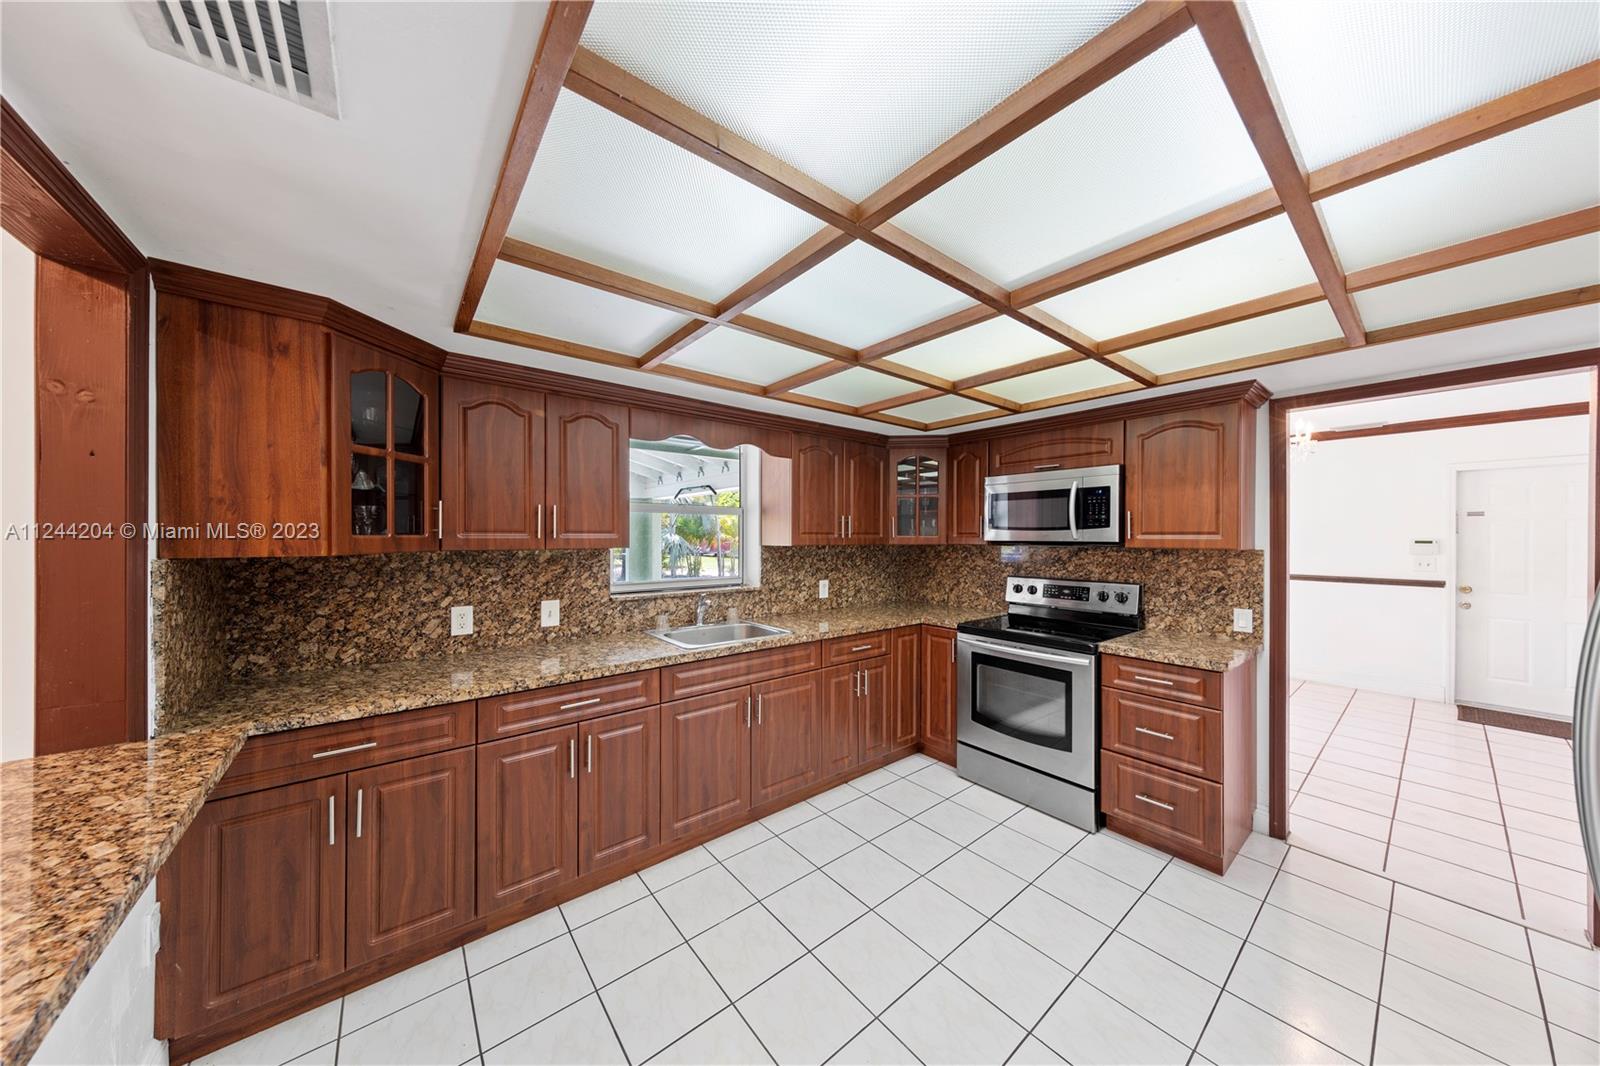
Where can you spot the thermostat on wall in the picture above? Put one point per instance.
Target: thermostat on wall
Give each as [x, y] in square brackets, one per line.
[1424, 547]
[1425, 556]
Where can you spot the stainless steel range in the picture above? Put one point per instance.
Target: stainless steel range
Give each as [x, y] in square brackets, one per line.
[1028, 713]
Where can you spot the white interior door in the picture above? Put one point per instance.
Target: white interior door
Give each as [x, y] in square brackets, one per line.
[1520, 600]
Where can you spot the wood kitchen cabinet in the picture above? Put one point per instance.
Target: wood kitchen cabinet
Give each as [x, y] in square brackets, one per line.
[527, 817]
[918, 495]
[866, 496]
[410, 831]
[1057, 448]
[705, 761]
[905, 687]
[618, 788]
[841, 731]
[786, 736]
[938, 654]
[816, 489]
[1190, 476]
[968, 465]
[586, 473]
[492, 466]
[831, 491]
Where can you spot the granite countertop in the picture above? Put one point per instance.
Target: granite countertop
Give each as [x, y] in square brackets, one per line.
[1199, 650]
[82, 835]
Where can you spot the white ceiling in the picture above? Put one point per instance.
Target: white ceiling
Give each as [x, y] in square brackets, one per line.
[381, 208]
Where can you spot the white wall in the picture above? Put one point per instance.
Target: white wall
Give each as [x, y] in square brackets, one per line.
[16, 498]
[110, 1020]
[1356, 505]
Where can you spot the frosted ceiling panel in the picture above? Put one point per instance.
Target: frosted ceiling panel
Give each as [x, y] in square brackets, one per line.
[609, 192]
[849, 93]
[859, 296]
[1269, 333]
[1537, 172]
[857, 386]
[987, 346]
[1158, 144]
[1532, 272]
[746, 357]
[940, 408]
[1059, 381]
[538, 303]
[1353, 75]
[1255, 261]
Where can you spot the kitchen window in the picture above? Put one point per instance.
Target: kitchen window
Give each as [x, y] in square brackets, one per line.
[692, 523]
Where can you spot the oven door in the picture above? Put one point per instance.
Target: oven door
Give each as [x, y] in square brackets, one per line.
[1030, 705]
[1055, 506]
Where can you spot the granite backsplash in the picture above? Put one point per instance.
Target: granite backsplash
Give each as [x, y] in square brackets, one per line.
[224, 620]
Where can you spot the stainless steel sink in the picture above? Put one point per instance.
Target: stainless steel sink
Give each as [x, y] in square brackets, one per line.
[716, 635]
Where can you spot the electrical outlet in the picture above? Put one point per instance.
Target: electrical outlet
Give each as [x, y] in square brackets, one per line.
[822, 589]
[1244, 620]
[461, 621]
[549, 612]
[1424, 564]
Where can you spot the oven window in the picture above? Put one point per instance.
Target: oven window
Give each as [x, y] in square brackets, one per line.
[1024, 511]
[1030, 703]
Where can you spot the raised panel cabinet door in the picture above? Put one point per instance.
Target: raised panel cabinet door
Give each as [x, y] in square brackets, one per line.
[1184, 479]
[967, 463]
[841, 739]
[939, 691]
[874, 701]
[411, 846]
[491, 452]
[527, 817]
[786, 740]
[866, 519]
[818, 487]
[905, 675]
[619, 788]
[254, 904]
[705, 761]
[1057, 448]
[586, 473]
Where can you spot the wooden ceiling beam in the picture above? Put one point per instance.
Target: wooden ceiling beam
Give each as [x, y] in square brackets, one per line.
[805, 377]
[549, 261]
[1082, 396]
[931, 331]
[991, 399]
[899, 401]
[1017, 370]
[1222, 316]
[1517, 239]
[558, 45]
[554, 345]
[1222, 28]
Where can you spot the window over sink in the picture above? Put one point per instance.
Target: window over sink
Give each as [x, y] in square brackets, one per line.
[692, 522]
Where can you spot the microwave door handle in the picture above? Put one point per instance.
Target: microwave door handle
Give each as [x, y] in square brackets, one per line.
[1023, 653]
[1072, 509]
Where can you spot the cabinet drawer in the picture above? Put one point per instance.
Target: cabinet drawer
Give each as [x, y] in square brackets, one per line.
[317, 751]
[849, 649]
[729, 671]
[541, 708]
[1181, 683]
[1176, 736]
[1182, 812]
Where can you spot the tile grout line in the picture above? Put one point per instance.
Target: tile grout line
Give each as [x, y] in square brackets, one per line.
[1522, 910]
[472, 1002]
[1538, 986]
[1321, 747]
[1244, 941]
[1383, 969]
[1388, 843]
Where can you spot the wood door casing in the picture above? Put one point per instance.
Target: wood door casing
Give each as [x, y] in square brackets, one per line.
[786, 741]
[966, 468]
[586, 473]
[905, 677]
[705, 761]
[939, 692]
[841, 731]
[254, 904]
[527, 817]
[492, 466]
[817, 487]
[1189, 476]
[410, 828]
[1058, 448]
[619, 788]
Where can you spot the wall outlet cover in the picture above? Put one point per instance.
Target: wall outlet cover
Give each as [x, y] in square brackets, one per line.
[1244, 620]
[822, 589]
[461, 621]
[1424, 564]
[549, 612]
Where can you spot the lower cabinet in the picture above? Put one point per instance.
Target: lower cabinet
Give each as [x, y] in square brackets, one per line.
[938, 654]
[841, 731]
[705, 761]
[786, 737]
[618, 815]
[527, 817]
[905, 687]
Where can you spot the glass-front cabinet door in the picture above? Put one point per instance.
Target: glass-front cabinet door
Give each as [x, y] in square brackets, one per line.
[918, 506]
[386, 474]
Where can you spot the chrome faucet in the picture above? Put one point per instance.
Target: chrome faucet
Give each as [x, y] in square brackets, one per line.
[700, 609]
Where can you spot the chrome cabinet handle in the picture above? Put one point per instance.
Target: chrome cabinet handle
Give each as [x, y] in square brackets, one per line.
[865, 684]
[849, 525]
[344, 751]
[747, 712]
[1142, 798]
[1154, 680]
[330, 821]
[572, 757]
[539, 521]
[359, 793]
[580, 703]
[588, 754]
[758, 708]
[1153, 733]
[1129, 532]
[555, 525]
[439, 518]
[862, 647]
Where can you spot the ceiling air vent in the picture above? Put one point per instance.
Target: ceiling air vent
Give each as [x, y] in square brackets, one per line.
[284, 47]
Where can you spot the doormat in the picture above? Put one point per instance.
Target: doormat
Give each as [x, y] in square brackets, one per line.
[1526, 723]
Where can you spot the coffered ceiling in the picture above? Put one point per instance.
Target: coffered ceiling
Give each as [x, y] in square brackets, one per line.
[937, 220]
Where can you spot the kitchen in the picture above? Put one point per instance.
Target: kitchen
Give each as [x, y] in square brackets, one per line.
[863, 666]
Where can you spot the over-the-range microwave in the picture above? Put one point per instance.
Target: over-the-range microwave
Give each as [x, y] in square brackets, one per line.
[1082, 506]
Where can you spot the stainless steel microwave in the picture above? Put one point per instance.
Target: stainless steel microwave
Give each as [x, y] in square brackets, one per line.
[1082, 506]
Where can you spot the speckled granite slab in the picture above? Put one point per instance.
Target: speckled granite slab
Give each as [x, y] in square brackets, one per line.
[81, 835]
[1183, 649]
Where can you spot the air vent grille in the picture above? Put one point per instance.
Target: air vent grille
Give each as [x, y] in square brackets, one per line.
[284, 47]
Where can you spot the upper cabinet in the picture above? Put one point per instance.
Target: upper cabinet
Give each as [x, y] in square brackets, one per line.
[918, 485]
[967, 463]
[1190, 478]
[867, 470]
[385, 452]
[586, 473]
[830, 491]
[492, 466]
[1057, 448]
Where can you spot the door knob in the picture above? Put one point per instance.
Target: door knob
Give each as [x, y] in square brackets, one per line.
[1465, 606]
[1466, 588]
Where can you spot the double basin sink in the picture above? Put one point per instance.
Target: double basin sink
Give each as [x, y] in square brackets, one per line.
[716, 635]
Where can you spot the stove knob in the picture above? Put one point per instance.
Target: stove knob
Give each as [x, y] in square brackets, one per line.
[1016, 588]
[1033, 590]
[1122, 597]
[1104, 595]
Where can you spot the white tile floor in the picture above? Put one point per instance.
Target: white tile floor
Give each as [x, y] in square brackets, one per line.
[952, 926]
[1481, 815]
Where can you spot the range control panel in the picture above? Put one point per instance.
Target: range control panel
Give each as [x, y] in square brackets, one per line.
[1110, 597]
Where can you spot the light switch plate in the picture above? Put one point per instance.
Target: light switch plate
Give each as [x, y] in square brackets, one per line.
[461, 621]
[1244, 620]
[822, 589]
[549, 612]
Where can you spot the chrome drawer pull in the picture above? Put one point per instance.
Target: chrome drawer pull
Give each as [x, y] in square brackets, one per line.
[572, 758]
[1153, 733]
[1153, 680]
[1142, 798]
[344, 751]
[580, 703]
[588, 756]
[359, 793]
[862, 647]
[330, 821]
